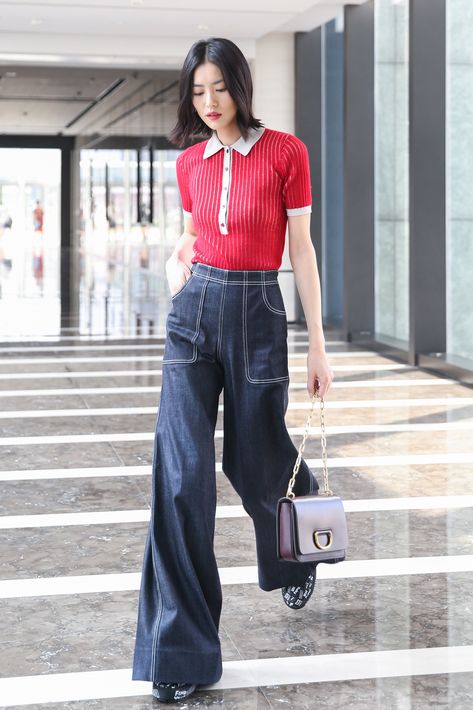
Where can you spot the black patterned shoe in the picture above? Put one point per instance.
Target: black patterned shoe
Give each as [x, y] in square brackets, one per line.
[297, 597]
[172, 692]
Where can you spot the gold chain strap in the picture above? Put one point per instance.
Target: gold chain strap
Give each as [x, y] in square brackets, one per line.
[326, 490]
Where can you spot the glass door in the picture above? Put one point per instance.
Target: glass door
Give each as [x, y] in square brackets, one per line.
[30, 180]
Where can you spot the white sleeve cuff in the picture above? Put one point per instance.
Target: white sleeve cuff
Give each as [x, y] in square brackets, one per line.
[298, 210]
[187, 214]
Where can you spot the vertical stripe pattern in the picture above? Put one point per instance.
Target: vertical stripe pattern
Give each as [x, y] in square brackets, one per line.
[269, 183]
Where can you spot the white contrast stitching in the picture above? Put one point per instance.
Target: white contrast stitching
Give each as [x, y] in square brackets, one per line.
[245, 345]
[220, 323]
[231, 281]
[159, 615]
[196, 333]
[265, 299]
[175, 295]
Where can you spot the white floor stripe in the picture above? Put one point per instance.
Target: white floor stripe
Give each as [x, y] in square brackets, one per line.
[130, 581]
[74, 439]
[293, 431]
[112, 517]
[80, 391]
[251, 673]
[341, 462]
[293, 339]
[345, 666]
[294, 406]
[61, 413]
[83, 348]
[151, 358]
[60, 473]
[80, 338]
[355, 384]
[93, 374]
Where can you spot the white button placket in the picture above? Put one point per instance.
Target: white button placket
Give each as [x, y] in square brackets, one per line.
[224, 197]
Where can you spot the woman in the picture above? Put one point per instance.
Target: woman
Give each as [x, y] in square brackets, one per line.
[227, 330]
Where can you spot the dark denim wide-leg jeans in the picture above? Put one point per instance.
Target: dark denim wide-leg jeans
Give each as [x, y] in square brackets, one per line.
[226, 329]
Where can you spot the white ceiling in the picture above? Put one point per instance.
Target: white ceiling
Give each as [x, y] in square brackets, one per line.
[146, 33]
[59, 57]
[87, 101]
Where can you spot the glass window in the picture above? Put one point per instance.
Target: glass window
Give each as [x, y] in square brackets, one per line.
[122, 258]
[332, 171]
[459, 181]
[30, 241]
[392, 172]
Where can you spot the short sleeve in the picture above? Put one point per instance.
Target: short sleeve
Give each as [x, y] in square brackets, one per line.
[183, 184]
[297, 193]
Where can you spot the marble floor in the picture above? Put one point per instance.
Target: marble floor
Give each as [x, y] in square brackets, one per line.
[390, 628]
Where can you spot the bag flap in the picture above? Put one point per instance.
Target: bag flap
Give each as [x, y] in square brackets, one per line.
[316, 514]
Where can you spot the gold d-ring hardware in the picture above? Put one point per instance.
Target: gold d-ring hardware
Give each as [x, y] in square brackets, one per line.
[318, 544]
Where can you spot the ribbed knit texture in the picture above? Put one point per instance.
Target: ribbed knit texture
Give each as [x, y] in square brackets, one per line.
[273, 177]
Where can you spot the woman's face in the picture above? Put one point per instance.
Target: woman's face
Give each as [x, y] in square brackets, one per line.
[210, 95]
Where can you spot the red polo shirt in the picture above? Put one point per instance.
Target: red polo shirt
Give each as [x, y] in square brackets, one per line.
[239, 196]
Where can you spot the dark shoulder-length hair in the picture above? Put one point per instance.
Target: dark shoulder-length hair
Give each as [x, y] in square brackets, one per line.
[237, 76]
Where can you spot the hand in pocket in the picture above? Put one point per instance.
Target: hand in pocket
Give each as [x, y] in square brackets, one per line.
[177, 273]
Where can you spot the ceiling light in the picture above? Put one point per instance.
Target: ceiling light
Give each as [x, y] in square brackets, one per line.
[13, 58]
[202, 27]
[37, 21]
[10, 74]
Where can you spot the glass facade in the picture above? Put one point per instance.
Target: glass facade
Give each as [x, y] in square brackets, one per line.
[130, 222]
[30, 180]
[391, 96]
[459, 181]
[332, 170]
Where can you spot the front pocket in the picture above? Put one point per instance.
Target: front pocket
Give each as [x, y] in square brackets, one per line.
[175, 295]
[264, 338]
[183, 323]
[272, 298]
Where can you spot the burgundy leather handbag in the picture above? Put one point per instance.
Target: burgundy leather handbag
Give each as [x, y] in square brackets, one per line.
[311, 528]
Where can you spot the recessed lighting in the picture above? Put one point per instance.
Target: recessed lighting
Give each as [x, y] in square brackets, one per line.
[10, 74]
[202, 27]
[37, 21]
[14, 58]
[137, 3]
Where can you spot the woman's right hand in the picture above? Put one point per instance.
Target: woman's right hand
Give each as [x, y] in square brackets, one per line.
[177, 273]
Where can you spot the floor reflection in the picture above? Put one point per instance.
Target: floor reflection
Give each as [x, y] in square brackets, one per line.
[111, 299]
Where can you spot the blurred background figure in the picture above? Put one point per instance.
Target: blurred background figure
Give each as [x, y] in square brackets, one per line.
[38, 217]
[38, 248]
[6, 223]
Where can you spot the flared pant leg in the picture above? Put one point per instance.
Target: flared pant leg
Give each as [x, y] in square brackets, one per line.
[258, 459]
[180, 596]
[258, 452]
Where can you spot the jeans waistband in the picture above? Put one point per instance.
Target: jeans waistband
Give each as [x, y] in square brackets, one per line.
[238, 276]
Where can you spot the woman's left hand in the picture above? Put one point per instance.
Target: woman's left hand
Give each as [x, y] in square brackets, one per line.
[319, 373]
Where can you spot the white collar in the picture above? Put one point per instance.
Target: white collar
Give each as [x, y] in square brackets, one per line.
[241, 145]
